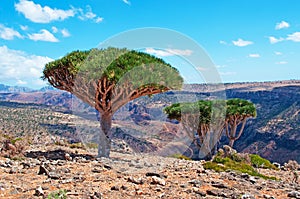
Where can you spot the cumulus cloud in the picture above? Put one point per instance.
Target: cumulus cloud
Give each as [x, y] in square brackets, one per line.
[54, 29]
[255, 55]
[168, 52]
[282, 25]
[24, 28]
[242, 43]
[17, 67]
[274, 40]
[65, 33]
[98, 19]
[43, 35]
[38, 14]
[127, 2]
[223, 42]
[45, 14]
[278, 53]
[281, 62]
[294, 37]
[8, 33]
[88, 14]
[227, 73]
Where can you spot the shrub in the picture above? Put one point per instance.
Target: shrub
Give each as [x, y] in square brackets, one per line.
[91, 145]
[260, 162]
[77, 145]
[60, 194]
[236, 163]
[180, 156]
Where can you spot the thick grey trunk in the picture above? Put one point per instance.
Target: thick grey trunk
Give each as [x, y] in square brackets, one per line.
[105, 135]
[231, 142]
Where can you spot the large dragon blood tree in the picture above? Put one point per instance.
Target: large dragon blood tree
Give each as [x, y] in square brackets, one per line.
[107, 79]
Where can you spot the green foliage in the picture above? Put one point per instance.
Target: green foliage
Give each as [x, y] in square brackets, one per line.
[14, 140]
[240, 107]
[17, 158]
[221, 164]
[214, 166]
[77, 145]
[221, 160]
[260, 162]
[69, 62]
[180, 156]
[91, 145]
[60, 194]
[113, 64]
[204, 108]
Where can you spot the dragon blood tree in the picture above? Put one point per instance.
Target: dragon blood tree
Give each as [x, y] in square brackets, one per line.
[237, 113]
[107, 79]
[203, 121]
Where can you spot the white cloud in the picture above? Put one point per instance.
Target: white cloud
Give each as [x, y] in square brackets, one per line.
[281, 62]
[281, 25]
[99, 19]
[8, 33]
[17, 67]
[294, 37]
[274, 40]
[24, 28]
[227, 73]
[43, 35]
[278, 53]
[88, 15]
[20, 82]
[54, 29]
[127, 2]
[168, 52]
[242, 43]
[255, 55]
[221, 66]
[200, 68]
[65, 33]
[223, 42]
[38, 14]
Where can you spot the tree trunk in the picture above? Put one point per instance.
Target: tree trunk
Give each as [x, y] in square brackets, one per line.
[105, 135]
[231, 142]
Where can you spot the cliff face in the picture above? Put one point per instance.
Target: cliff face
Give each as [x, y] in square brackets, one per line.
[274, 133]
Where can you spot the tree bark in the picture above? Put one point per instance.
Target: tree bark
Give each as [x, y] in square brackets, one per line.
[231, 142]
[105, 135]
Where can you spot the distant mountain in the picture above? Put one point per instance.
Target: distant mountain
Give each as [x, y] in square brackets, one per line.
[13, 89]
[48, 88]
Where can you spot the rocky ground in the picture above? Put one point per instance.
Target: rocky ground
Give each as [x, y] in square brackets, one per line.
[47, 170]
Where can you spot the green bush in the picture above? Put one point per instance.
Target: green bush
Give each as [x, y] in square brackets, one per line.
[77, 145]
[180, 156]
[60, 194]
[91, 145]
[260, 162]
[221, 164]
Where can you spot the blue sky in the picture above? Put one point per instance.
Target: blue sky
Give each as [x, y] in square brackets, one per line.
[248, 40]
